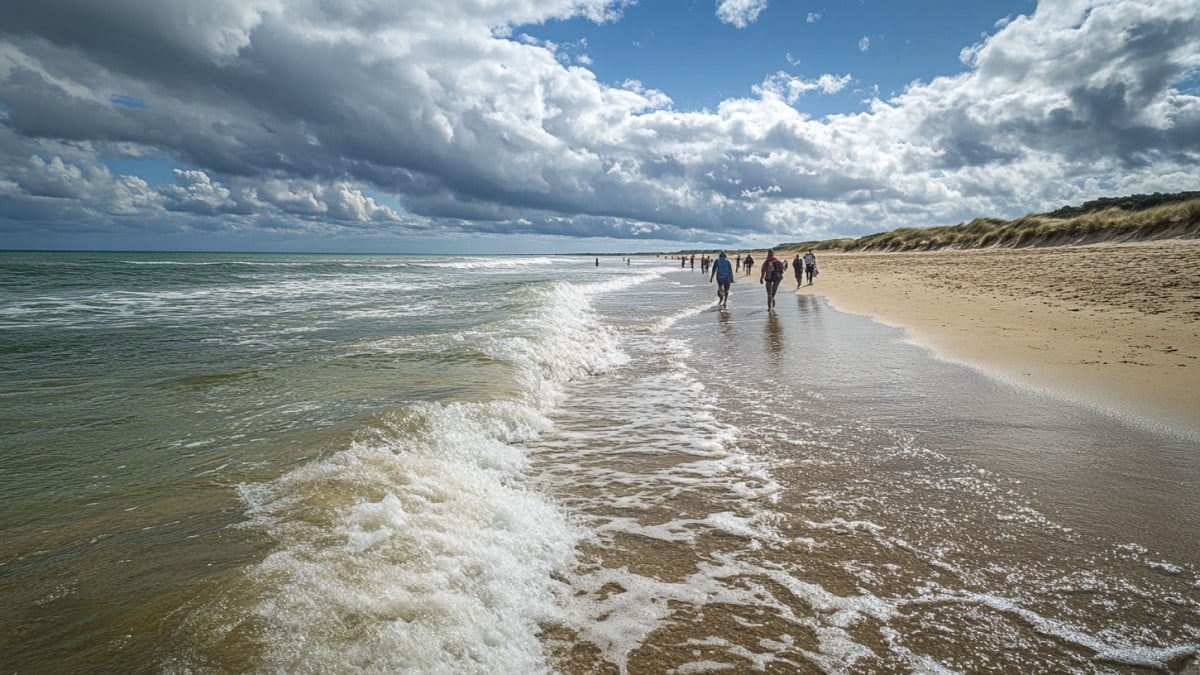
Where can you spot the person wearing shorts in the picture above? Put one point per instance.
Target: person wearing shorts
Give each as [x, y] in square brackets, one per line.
[722, 271]
[772, 276]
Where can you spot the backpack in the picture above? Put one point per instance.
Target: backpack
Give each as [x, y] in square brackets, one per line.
[776, 272]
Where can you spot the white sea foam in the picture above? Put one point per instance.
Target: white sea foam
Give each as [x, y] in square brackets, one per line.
[1104, 650]
[666, 322]
[496, 263]
[641, 604]
[687, 450]
[340, 296]
[420, 551]
[617, 283]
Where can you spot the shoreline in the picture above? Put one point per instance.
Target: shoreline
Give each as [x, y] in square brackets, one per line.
[1112, 326]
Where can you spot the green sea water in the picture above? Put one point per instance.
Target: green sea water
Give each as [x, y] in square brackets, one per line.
[139, 391]
[450, 464]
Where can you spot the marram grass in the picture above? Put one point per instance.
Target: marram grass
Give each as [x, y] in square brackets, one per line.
[1175, 220]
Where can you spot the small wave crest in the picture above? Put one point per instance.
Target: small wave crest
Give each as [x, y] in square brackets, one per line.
[419, 550]
[419, 546]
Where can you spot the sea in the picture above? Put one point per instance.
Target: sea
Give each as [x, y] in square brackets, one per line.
[269, 463]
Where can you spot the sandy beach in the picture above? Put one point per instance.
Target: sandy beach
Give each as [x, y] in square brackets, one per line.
[1114, 326]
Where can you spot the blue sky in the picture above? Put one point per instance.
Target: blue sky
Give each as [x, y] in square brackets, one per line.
[685, 50]
[577, 125]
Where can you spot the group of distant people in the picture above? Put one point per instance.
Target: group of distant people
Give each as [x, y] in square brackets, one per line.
[771, 273]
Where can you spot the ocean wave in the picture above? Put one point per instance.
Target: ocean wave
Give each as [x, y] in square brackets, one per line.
[420, 547]
[417, 551]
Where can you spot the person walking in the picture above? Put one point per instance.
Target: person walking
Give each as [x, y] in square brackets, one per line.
[810, 266]
[722, 270]
[748, 263]
[798, 271]
[771, 275]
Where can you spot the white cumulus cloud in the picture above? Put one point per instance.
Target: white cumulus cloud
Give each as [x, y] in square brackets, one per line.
[792, 88]
[740, 13]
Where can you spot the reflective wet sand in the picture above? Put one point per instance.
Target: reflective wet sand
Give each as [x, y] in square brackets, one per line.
[808, 493]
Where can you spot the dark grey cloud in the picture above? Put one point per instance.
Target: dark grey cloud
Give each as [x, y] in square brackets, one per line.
[296, 112]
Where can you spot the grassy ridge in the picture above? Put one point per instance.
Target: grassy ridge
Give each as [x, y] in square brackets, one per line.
[1171, 217]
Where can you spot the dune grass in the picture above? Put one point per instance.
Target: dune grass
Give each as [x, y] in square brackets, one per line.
[1173, 220]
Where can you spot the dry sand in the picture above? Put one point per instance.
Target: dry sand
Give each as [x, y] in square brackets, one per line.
[1113, 326]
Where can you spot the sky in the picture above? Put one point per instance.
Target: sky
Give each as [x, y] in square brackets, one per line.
[558, 126]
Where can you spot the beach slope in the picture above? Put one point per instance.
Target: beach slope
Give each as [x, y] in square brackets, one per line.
[1112, 326]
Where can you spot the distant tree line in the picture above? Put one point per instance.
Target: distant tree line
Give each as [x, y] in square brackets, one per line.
[1130, 203]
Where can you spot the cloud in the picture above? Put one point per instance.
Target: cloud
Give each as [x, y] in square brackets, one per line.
[198, 193]
[864, 44]
[792, 88]
[307, 117]
[740, 13]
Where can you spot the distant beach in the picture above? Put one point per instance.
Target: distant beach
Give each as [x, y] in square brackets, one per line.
[1114, 325]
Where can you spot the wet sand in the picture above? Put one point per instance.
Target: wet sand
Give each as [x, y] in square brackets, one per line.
[1113, 326]
[833, 500]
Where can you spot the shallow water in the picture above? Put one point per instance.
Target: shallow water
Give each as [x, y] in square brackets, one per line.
[804, 490]
[316, 463]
